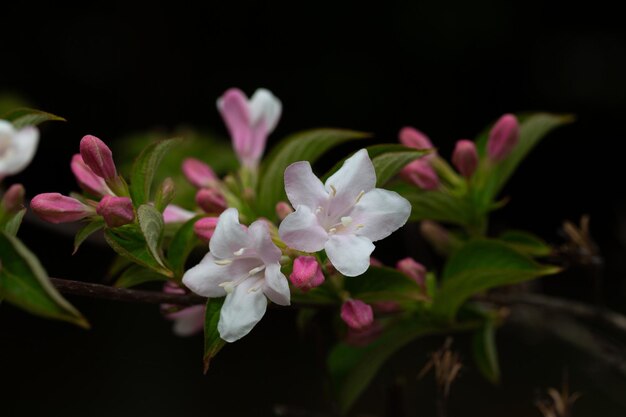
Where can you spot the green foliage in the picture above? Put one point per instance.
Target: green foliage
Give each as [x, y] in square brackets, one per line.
[86, 231]
[136, 275]
[151, 225]
[25, 284]
[213, 343]
[180, 247]
[485, 350]
[29, 117]
[10, 222]
[526, 242]
[383, 284]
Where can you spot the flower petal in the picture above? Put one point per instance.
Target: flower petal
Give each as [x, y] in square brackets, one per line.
[21, 151]
[379, 213]
[229, 236]
[266, 108]
[303, 187]
[349, 254]
[276, 286]
[188, 321]
[261, 240]
[302, 231]
[233, 106]
[205, 278]
[176, 214]
[242, 310]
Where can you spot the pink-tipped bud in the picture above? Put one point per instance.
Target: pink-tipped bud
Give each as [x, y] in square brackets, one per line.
[356, 314]
[98, 157]
[210, 200]
[422, 174]
[283, 209]
[503, 137]
[412, 269]
[198, 173]
[13, 199]
[365, 336]
[116, 211]
[307, 273]
[465, 157]
[413, 138]
[176, 214]
[87, 179]
[57, 208]
[205, 227]
[375, 262]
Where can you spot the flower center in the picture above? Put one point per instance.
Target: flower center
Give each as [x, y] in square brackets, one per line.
[341, 220]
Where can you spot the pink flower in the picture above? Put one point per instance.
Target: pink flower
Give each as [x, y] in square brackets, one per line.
[413, 269]
[465, 157]
[413, 138]
[176, 214]
[13, 199]
[57, 208]
[503, 137]
[307, 273]
[187, 321]
[198, 173]
[116, 211]
[210, 200]
[97, 155]
[87, 179]
[283, 209]
[205, 228]
[356, 314]
[422, 174]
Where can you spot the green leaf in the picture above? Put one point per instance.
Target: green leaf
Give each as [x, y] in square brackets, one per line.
[24, 283]
[129, 242]
[181, 246]
[151, 224]
[213, 343]
[86, 231]
[481, 265]
[11, 225]
[383, 284]
[304, 146]
[136, 275]
[144, 169]
[526, 242]
[30, 117]
[485, 351]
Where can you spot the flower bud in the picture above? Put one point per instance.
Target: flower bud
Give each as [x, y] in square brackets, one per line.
[356, 314]
[205, 227]
[420, 173]
[375, 262]
[503, 137]
[13, 199]
[57, 208]
[436, 235]
[210, 200]
[307, 273]
[465, 157]
[176, 214]
[413, 138]
[87, 179]
[117, 211]
[98, 157]
[365, 336]
[412, 269]
[165, 194]
[283, 209]
[198, 173]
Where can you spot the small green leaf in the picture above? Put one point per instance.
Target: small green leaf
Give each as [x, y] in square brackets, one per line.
[136, 275]
[30, 117]
[129, 242]
[383, 284]
[526, 242]
[86, 231]
[213, 343]
[485, 351]
[481, 265]
[304, 146]
[11, 224]
[151, 224]
[181, 246]
[144, 169]
[25, 284]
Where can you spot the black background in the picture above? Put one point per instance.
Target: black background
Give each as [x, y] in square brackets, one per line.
[448, 68]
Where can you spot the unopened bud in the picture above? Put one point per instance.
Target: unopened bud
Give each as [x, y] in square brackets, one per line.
[13, 199]
[422, 174]
[98, 157]
[413, 269]
[283, 209]
[307, 273]
[210, 200]
[198, 173]
[57, 208]
[87, 179]
[165, 194]
[436, 235]
[356, 314]
[465, 157]
[375, 262]
[413, 138]
[503, 137]
[176, 214]
[205, 227]
[116, 211]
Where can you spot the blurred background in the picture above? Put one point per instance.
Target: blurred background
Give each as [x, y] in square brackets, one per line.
[118, 68]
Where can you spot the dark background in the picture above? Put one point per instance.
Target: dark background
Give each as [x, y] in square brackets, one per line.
[448, 68]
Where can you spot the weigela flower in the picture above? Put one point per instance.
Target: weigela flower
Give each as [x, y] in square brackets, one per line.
[17, 148]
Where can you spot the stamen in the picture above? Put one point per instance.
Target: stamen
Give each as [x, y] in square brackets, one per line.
[319, 209]
[239, 252]
[256, 270]
[228, 286]
[346, 221]
[332, 230]
[358, 197]
[223, 262]
[334, 190]
[359, 226]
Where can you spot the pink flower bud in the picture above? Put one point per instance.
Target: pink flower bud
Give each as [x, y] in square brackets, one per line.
[187, 320]
[283, 209]
[412, 269]
[57, 208]
[436, 235]
[375, 262]
[413, 138]
[205, 227]
[365, 336]
[13, 199]
[420, 173]
[198, 173]
[307, 273]
[465, 157]
[87, 179]
[176, 214]
[356, 314]
[210, 200]
[98, 157]
[117, 211]
[503, 137]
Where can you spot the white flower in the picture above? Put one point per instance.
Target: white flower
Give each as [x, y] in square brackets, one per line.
[17, 147]
[243, 265]
[343, 216]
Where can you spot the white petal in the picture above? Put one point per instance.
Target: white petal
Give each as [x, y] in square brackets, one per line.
[303, 187]
[266, 108]
[261, 240]
[21, 151]
[241, 311]
[6, 128]
[276, 285]
[349, 254]
[229, 236]
[379, 213]
[302, 231]
[205, 278]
